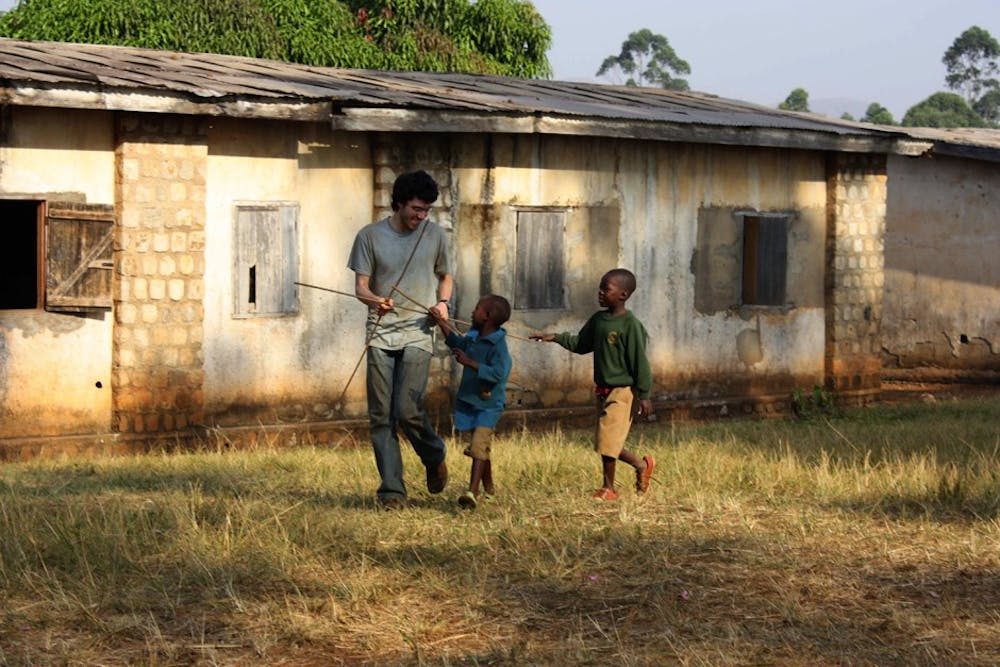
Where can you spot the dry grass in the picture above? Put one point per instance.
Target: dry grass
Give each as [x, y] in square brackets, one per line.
[869, 539]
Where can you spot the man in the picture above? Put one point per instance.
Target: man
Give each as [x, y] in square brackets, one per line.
[404, 254]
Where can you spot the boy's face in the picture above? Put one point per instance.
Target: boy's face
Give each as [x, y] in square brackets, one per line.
[610, 293]
[480, 314]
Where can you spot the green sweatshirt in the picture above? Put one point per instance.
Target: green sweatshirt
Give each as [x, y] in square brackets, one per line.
[619, 347]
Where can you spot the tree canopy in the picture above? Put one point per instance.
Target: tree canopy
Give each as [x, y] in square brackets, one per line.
[506, 37]
[797, 100]
[648, 60]
[878, 114]
[971, 62]
[943, 110]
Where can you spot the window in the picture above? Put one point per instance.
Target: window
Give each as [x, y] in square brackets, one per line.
[19, 254]
[266, 260]
[765, 260]
[73, 247]
[541, 263]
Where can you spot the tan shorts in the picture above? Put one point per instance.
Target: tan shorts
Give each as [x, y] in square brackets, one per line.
[479, 448]
[614, 419]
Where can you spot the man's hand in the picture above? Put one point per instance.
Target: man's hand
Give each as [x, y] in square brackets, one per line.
[439, 311]
[384, 305]
[543, 337]
[645, 408]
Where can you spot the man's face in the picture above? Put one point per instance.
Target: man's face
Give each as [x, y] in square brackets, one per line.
[413, 212]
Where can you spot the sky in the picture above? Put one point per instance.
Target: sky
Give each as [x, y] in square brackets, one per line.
[845, 54]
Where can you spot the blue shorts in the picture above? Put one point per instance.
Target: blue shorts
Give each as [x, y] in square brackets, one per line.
[468, 417]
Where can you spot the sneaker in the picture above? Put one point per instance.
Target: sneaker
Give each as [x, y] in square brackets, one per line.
[437, 477]
[643, 476]
[467, 500]
[605, 494]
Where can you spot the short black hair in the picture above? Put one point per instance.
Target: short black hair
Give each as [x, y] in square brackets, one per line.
[414, 185]
[624, 277]
[498, 307]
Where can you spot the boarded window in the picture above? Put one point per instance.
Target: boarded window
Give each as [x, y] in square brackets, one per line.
[78, 259]
[765, 260]
[266, 260]
[541, 261]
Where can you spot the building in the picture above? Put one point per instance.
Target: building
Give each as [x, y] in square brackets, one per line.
[162, 209]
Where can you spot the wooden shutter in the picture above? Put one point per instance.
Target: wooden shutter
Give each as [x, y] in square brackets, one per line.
[266, 260]
[78, 259]
[541, 261]
[765, 260]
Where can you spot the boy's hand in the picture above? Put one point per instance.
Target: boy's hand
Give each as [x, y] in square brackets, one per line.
[436, 315]
[645, 408]
[543, 337]
[464, 359]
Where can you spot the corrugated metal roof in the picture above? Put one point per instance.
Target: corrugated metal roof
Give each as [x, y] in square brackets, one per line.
[39, 72]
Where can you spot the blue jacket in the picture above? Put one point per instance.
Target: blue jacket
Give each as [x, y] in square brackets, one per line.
[485, 389]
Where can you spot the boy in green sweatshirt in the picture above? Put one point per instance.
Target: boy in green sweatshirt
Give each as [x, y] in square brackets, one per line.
[622, 377]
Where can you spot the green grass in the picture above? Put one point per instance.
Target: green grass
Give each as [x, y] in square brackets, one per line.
[870, 538]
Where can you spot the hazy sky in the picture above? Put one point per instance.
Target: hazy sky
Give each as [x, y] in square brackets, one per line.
[845, 53]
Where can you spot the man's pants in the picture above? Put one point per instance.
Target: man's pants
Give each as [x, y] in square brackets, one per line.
[397, 384]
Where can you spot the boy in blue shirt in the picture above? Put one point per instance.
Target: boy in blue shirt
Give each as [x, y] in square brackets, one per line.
[482, 392]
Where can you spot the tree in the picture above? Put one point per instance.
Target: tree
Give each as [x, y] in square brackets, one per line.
[648, 60]
[507, 37]
[971, 61]
[878, 114]
[846, 116]
[797, 100]
[942, 110]
[988, 106]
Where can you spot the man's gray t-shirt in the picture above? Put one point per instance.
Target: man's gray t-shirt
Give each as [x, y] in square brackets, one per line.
[380, 252]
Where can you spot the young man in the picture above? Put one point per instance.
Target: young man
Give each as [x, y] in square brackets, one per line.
[409, 252]
[622, 374]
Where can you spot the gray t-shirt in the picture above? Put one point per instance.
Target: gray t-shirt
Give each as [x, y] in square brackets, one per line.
[380, 252]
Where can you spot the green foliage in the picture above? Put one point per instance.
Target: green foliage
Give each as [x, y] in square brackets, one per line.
[505, 37]
[971, 61]
[797, 100]
[819, 401]
[847, 116]
[878, 114]
[942, 110]
[988, 106]
[648, 60]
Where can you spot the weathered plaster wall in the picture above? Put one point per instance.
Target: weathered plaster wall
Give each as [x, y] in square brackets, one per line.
[294, 368]
[641, 205]
[942, 265]
[55, 369]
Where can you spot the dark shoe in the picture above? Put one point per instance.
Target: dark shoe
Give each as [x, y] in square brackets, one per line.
[467, 500]
[437, 477]
[643, 476]
[390, 503]
[605, 494]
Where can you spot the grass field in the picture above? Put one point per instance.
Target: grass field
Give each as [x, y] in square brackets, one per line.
[870, 538]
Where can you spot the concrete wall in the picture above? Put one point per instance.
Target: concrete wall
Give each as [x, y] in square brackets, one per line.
[942, 259]
[286, 369]
[55, 369]
[640, 205]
